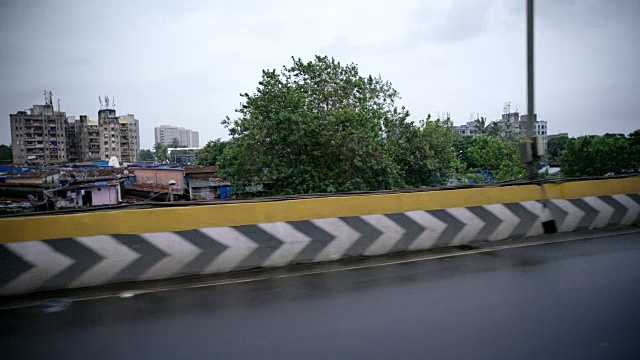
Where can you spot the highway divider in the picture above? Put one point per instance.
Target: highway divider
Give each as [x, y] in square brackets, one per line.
[96, 248]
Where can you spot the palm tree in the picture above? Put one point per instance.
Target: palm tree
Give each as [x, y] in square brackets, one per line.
[494, 129]
[480, 126]
[175, 143]
[160, 151]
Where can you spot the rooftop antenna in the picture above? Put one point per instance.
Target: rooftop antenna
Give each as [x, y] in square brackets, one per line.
[100, 99]
[113, 101]
[58, 105]
[507, 107]
[48, 98]
[106, 101]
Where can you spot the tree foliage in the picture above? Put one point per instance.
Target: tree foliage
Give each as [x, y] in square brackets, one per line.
[593, 155]
[555, 146]
[480, 126]
[500, 157]
[494, 129]
[424, 152]
[211, 153]
[161, 152]
[462, 145]
[6, 154]
[320, 126]
[146, 155]
[175, 143]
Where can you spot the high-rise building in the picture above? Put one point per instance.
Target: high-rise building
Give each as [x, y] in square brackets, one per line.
[165, 134]
[195, 139]
[87, 142]
[39, 134]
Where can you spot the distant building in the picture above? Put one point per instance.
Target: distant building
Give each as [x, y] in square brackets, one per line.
[539, 127]
[164, 134]
[99, 140]
[39, 135]
[182, 155]
[467, 129]
[87, 139]
[510, 122]
[42, 136]
[559, 135]
[195, 139]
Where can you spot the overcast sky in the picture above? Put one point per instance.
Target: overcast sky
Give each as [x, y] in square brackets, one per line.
[185, 62]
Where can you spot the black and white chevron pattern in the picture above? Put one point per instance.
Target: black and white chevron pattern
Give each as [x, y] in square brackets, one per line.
[97, 260]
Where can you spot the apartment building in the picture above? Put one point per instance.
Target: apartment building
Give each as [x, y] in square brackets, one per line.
[510, 123]
[164, 134]
[42, 135]
[119, 136]
[38, 135]
[87, 135]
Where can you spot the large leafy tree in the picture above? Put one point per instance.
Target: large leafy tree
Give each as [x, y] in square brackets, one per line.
[145, 155]
[462, 145]
[211, 153]
[424, 153]
[593, 155]
[6, 153]
[555, 146]
[500, 157]
[316, 126]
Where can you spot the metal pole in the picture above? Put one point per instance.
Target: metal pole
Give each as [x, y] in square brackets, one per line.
[531, 168]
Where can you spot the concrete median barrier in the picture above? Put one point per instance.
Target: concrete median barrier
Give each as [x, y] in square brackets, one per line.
[89, 249]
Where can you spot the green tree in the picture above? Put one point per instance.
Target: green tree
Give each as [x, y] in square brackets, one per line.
[480, 126]
[555, 146]
[211, 153]
[175, 143]
[424, 153]
[145, 155]
[500, 157]
[462, 145]
[6, 154]
[316, 126]
[634, 138]
[494, 129]
[160, 151]
[593, 155]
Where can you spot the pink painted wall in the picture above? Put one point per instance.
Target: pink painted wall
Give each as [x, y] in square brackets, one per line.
[161, 177]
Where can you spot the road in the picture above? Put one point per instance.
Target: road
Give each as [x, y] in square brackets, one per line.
[570, 300]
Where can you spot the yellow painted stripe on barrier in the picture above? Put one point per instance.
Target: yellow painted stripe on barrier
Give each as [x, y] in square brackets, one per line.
[580, 189]
[195, 217]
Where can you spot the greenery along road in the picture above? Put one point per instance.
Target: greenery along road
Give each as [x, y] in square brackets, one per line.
[320, 126]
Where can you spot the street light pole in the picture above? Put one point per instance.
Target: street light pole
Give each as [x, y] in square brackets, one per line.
[531, 167]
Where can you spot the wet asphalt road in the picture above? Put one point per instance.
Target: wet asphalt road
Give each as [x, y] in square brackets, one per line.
[574, 300]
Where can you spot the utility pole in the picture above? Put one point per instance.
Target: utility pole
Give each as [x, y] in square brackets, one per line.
[531, 167]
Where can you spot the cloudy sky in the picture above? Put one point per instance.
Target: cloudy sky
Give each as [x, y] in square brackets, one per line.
[185, 62]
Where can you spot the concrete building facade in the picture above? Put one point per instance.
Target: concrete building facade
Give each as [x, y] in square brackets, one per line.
[42, 135]
[87, 135]
[510, 122]
[38, 135]
[164, 134]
